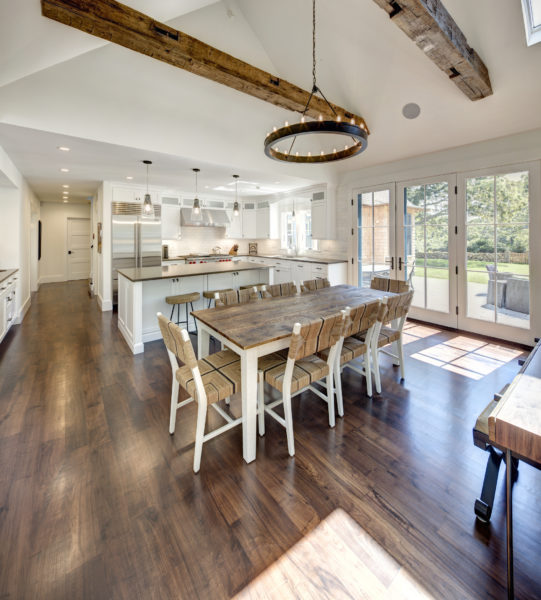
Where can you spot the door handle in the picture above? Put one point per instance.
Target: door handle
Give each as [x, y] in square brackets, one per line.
[392, 263]
[400, 263]
[69, 251]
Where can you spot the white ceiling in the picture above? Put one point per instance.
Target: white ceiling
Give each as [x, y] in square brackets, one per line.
[120, 107]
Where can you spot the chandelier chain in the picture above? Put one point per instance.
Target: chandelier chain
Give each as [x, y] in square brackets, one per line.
[314, 84]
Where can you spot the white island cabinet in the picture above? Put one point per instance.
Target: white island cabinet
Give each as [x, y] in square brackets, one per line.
[142, 293]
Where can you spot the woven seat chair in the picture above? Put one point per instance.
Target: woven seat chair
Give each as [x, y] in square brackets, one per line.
[279, 289]
[390, 323]
[385, 284]
[312, 285]
[360, 319]
[207, 381]
[210, 295]
[236, 297]
[302, 367]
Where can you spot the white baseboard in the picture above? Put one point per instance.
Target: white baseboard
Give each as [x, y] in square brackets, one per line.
[23, 310]
[135, 348]
[104, 305]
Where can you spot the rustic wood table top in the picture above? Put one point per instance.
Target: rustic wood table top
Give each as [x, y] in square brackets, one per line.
[269, 319]
[516, 422]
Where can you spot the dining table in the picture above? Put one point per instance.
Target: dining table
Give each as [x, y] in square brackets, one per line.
[264, 326]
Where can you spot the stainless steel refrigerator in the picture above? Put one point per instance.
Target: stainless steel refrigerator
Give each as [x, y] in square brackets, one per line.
[137, 238]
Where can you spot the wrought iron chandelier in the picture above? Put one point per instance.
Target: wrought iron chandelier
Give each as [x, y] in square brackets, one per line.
[286, 136]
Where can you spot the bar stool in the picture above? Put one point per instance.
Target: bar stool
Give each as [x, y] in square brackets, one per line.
[211, 294]
[183, 299]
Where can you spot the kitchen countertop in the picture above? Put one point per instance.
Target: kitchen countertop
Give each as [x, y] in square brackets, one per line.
[310, 259]
[6, 274]
[170, 271]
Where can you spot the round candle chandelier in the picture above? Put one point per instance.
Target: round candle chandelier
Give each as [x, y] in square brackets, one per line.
[280, 143]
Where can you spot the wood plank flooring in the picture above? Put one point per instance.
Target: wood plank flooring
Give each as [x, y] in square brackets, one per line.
[98, 501]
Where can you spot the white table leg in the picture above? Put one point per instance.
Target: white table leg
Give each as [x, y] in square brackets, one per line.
[203, 341]
[249, 404]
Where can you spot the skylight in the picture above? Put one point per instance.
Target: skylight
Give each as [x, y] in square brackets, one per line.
[531, 10]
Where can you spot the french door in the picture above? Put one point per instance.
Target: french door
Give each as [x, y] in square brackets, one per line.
[463, 242]
[500, 252]
[404, 232]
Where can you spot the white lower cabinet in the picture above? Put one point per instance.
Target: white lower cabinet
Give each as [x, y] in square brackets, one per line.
[8, 305]
[220, 281]
[282, 275]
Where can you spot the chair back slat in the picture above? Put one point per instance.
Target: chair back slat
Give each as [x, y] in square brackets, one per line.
[174, 342]
[362, 317]
[311, 285]
[398, 306]
[398, 287]
[281, 289]
[236, 297]
[316, 335]
[380, 283]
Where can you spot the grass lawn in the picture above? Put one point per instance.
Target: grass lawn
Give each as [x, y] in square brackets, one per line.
[477, 273]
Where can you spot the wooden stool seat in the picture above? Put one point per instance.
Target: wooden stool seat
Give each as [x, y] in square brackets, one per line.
[210, 294]
[183, 298]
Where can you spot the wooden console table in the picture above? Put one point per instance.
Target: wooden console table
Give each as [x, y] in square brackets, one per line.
[515, 426]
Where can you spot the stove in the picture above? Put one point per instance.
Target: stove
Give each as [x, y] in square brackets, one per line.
[207, 258]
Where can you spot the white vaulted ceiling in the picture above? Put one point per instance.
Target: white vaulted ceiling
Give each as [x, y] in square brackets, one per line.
[56, 81]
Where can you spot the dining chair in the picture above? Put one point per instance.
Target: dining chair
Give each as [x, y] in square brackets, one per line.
[207, 381]
[242, 296]
[311, 285]
[385, 284]
[360, 319]
[301, 368]
[279, 289]
[389, 326]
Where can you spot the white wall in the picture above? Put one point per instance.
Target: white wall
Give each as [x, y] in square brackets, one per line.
[53, 265]
[17, 205]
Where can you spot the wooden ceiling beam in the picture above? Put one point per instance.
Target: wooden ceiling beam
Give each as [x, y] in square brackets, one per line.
[120, 24]
[435, 32]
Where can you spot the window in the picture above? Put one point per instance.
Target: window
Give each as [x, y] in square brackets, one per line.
[296, 231]
[531, 10]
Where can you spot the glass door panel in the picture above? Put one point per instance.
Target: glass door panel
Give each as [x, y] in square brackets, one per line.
[497, 249]
[425, 247]
[375, 235]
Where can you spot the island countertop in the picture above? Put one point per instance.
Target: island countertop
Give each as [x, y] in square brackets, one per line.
[6, 273]
[171, 271]
[310, 259]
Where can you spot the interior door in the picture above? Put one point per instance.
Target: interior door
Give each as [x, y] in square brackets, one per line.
[497, 254]
[78, 249]
[426, 246]
[374, 236]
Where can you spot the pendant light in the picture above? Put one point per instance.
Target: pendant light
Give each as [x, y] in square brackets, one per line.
[355, 134]
[236, 210]
[196, 208]
[147, 204]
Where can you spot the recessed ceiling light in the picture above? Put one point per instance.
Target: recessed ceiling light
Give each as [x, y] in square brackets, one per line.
[65, 185]
[64, 148]
[276, 182]
[411, 110]
[65, 201]
[129, 177]
[64, 170]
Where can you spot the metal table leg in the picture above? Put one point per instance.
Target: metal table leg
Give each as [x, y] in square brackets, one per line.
[509, 493]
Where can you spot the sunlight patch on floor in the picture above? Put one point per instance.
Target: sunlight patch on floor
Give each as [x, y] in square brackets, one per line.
[467, 356]
[338, 559]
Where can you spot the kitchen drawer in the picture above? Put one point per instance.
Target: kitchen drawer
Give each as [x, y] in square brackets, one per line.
[319, 270]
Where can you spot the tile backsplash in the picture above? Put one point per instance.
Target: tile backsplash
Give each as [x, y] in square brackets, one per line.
[197, 240]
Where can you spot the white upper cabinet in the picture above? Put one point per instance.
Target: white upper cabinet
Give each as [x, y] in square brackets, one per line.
[263, 221]
[323, 217]
[171, 218]
[249, 220]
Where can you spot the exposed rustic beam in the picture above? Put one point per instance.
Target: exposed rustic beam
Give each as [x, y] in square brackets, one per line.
[435, 32]
[118, 23]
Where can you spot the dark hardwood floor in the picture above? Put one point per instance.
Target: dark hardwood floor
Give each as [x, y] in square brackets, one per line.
[98, 501]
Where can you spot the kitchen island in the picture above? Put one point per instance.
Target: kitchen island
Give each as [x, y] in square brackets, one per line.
[142, 293]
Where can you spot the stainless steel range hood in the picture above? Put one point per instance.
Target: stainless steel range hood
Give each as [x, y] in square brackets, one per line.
[209, 218]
